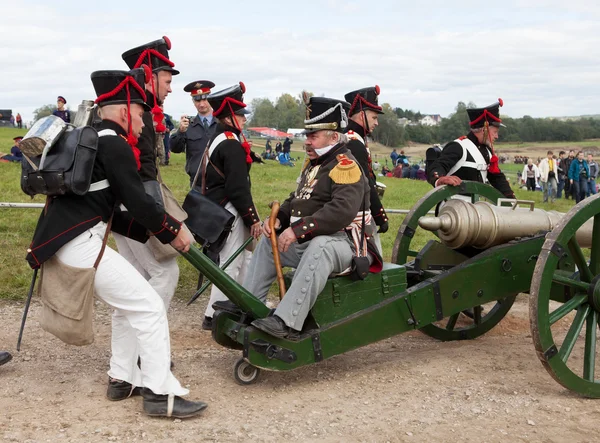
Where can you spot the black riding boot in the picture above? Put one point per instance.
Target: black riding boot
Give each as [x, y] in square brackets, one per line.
[170, 405]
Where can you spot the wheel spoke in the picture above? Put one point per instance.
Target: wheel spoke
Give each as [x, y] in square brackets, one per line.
[584, 271]
[573, 334]
[477, 310]
[452, 322]
[565, 308]
[566, 281]
[595, 252]
[589, 360]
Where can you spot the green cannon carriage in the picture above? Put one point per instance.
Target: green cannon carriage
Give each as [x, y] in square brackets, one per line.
[458, 286]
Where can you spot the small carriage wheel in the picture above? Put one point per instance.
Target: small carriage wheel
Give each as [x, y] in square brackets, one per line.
[562, 303]
[244, 373]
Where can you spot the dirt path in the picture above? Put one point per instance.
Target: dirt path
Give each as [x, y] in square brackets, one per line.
[407, 388]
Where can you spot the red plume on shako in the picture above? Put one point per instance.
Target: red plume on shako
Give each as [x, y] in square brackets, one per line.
[483, 118]
[156, 55]
[123, 87]
[147, 73]
[228, 103]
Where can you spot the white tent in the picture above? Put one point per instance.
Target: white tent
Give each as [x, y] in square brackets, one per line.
[297, 133]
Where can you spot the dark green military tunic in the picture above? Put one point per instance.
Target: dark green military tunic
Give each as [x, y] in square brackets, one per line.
[331, 191]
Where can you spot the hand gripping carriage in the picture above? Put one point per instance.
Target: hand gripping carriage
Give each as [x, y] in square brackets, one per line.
[450, 289]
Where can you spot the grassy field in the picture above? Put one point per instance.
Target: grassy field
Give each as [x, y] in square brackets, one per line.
[534, 150]
[555, 146]
[269, 182]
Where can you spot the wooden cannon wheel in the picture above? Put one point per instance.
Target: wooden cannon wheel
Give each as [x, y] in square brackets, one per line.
[468, 324]
[562, 303]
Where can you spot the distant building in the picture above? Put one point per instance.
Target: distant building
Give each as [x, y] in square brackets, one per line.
[403, 121]
[431, 120]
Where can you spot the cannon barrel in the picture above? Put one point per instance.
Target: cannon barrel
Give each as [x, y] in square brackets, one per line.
[482, 225]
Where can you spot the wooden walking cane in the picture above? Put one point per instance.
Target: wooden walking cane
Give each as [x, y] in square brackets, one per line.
[272, 218]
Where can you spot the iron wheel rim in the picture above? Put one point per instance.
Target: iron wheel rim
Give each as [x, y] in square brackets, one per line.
[554, 356]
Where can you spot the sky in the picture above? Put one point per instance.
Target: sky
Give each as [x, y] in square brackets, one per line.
[541, 57]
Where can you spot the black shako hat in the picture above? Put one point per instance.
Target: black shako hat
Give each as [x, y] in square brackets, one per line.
[154, 54]
[490, 114]
[325, 113]
[364, 99]
[200, 89]
[121, 87]
[228, 101]
[62, 99]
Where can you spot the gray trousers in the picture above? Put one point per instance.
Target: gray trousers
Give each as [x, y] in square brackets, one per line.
[375, 236]
[314, 261]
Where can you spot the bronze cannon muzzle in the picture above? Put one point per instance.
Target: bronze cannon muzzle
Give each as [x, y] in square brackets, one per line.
[482, 225]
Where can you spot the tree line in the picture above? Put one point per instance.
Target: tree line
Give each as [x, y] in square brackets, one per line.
[517, 130]
[286, 112]
[289, 111]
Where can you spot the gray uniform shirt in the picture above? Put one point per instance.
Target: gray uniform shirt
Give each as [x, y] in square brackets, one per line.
[193, 142]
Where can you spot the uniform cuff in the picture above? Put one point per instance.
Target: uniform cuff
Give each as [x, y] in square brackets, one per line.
[136, 231]
[170, 229]
[305, 229]
[381, 217]
[251, 216]
[284, 222]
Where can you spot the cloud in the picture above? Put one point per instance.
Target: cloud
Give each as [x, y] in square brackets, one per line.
[542, 61]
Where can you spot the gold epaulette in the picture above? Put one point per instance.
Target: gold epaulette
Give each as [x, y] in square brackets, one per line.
[345, 172]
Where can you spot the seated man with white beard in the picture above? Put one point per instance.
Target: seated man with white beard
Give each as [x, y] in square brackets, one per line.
[319, 225]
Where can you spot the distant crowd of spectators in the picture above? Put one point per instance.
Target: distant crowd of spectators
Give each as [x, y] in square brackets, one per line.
[573, 174]
[401, 167]
[281, 153]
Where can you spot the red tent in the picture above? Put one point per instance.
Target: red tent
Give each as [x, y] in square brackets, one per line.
[270, 132]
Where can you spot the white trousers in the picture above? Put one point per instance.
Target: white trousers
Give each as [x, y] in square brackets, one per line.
[139, 323]
[162, 276]
[238, 267]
